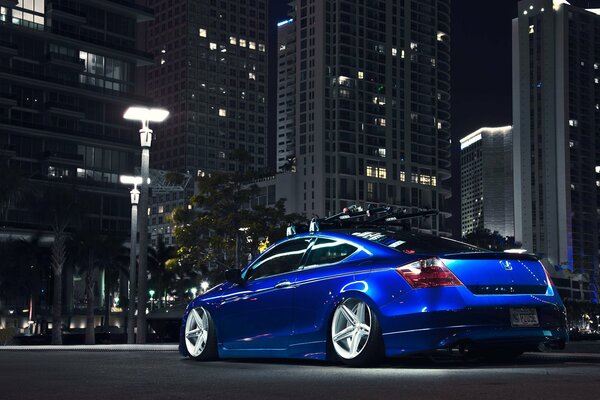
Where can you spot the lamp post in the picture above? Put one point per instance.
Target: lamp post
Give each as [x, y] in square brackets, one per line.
[145, 116]
[135, 198]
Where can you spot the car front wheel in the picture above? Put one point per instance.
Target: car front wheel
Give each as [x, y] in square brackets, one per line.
[200, 338]
[355, 334]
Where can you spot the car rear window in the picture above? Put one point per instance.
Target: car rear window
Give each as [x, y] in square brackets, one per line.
[417, 243]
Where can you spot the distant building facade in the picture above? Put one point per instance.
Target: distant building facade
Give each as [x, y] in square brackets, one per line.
[371, 105]
[486, 180]
[556, 117]
[211, 74]
[286, 89]
[67, 74]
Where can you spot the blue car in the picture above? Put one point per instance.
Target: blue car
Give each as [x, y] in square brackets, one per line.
[362, 292]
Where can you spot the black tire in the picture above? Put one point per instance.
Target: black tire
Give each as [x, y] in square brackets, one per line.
[373, 350]
[209, 352]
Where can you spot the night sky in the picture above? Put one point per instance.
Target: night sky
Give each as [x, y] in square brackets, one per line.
[481, 71]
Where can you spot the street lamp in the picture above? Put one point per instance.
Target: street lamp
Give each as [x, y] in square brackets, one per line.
[194, 290]
[145, 116]
[204, 286]
[135, 198]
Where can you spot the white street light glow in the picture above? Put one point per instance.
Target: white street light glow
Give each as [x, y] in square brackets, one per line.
[146, 114]
[130, 180]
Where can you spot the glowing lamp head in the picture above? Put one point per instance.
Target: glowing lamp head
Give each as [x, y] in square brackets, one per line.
[146, 114]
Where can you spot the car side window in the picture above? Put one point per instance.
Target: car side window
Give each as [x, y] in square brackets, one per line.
[329, 251]
[284, 258]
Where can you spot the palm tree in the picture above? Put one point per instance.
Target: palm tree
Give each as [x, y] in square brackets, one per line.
[97, 250]
[57, 208]
[162, 278]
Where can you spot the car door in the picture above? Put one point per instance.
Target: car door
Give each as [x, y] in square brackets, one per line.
[324, 272]
[257, 314]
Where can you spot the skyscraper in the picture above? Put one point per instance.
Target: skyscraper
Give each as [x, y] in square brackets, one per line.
[211, 73]
[486, 181]
[556, 116]
[371, 105]
[67, 74]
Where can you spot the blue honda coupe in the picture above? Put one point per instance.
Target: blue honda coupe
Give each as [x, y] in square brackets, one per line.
[358, 292]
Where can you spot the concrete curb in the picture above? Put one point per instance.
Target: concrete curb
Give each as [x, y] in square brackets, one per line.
[97, 347]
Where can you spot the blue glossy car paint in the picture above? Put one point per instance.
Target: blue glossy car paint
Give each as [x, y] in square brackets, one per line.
[259, 319]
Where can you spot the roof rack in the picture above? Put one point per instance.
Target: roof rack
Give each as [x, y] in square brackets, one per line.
[357, 217]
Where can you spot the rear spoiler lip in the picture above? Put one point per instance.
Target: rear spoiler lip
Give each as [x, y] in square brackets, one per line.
[489, 256]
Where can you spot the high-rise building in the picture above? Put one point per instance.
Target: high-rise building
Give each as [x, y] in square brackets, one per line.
[286, 88]
[211, 74]
[486, 181]
[371, 105]
[556, 116]
[67, 74]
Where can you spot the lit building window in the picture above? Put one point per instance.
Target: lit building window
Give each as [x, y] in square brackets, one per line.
[343, 81]
[232, 40]
[202, 32]
[381, 153]
[261, 47]
[439, 125]
[531, 29]
[433, 63]
[31, 15]
[598, 169]
[440, 36]
[402, 176]
[379, 100]
[394, 51]
[360, 75]
[162, 61]
[282, 47]
[376, 172]
[252, 76]
[222, 112]
[380, 121]
[252, 45]
[402, 54]
[414, 46]
[573, 122]
[242, 42]
[595, 65]
[212, 46]
[161, 209]
[595, 80]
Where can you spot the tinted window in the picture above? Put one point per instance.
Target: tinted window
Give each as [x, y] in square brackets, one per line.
[409, 242]
[328, 251]
[284, 258]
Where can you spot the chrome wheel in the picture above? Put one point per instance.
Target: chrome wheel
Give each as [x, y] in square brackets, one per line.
[196, 331]
[351, 328]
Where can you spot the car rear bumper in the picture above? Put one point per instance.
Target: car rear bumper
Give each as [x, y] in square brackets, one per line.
[482, 327]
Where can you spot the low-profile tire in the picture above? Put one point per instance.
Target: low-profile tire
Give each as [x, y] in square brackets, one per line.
[355, 335]
[200, 338]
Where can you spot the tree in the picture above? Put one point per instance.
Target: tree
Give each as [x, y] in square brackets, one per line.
[162, 278]
[209, 235]
[97, 250]
[489, 240]
[57, 208]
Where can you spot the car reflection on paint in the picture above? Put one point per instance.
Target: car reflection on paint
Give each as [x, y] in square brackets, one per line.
[359, 295]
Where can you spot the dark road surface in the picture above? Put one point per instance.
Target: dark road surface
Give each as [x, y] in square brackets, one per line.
[165, 375]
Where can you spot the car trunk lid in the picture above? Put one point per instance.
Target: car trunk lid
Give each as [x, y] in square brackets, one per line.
[498, 273]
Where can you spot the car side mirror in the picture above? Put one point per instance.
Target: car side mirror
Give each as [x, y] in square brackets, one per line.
[234, 276]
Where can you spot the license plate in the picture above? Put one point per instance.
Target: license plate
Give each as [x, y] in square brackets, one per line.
[523, 317]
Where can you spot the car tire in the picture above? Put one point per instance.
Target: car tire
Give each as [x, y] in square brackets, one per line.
[355, 335]
[200, 338]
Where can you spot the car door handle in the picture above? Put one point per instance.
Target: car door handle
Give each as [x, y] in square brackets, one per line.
[283, 284]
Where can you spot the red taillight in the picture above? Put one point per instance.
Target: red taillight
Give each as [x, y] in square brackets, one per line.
[430, 272]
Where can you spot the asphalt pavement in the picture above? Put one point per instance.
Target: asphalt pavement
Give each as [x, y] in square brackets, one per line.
[164, 374]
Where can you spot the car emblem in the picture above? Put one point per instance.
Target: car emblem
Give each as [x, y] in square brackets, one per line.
[506, 265]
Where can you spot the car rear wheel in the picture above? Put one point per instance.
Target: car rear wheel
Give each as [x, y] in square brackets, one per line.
[355, 335]
[200, 338]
